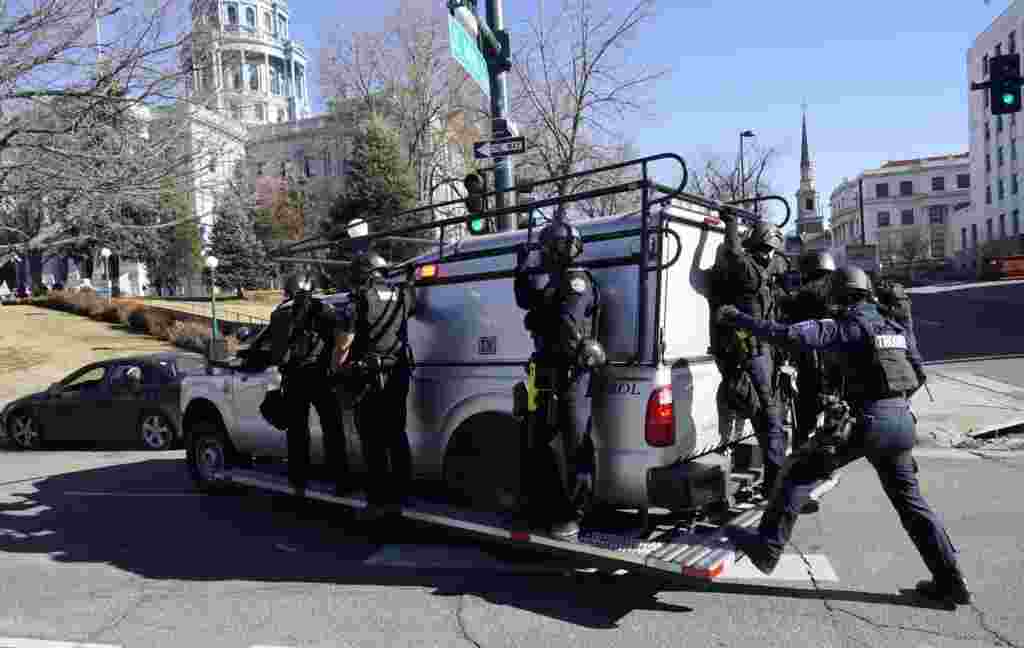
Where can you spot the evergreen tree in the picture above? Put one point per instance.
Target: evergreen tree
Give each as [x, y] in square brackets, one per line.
[242, 258]
[378, 184]
[181, 255]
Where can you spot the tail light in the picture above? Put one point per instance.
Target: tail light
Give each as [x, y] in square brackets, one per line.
[660, 421]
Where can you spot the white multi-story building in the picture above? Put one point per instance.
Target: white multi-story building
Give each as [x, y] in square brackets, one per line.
[248, 66]
[995, 140]
[907, 211]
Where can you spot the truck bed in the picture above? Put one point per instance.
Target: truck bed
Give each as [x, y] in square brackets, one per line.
[699, 551]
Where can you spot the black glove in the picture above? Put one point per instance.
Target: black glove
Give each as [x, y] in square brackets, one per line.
[726, 213]
[726, 314]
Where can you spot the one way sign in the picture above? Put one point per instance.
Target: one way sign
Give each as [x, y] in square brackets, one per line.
[504, 146]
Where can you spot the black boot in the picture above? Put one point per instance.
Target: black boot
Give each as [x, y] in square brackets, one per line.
[952, 589]
[750, 543]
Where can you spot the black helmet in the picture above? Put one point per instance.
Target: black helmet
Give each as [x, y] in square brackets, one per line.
[296, 283]
[364, 265]
[850, 283]
[765, 235]
[817, 263]
[560, 244]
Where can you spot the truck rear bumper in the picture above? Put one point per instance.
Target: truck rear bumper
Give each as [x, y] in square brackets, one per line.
[690, 485]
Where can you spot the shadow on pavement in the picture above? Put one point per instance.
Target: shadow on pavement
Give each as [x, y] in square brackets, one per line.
[168, 531]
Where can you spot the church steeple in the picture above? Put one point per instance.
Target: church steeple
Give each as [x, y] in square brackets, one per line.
[806, 168]
[807, 221]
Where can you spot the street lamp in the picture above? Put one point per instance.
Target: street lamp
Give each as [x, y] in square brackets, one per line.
[105, 253]
[211, 263]
[743, 184]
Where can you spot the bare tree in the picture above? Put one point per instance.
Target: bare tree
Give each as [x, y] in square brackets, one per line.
[576, 87]
[914, 246]
[78, 141]
[405, 73]
[718, 176]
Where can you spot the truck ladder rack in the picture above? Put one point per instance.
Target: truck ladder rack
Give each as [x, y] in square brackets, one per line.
[702, 554]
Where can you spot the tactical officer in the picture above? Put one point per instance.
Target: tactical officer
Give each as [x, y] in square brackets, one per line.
[748, 280]
[894, 302]
[883, 370]
[811, 301]
[308, 342]
[381, 367]
[561, 317]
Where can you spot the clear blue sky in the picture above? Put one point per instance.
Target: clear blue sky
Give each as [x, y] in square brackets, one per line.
[883, 80]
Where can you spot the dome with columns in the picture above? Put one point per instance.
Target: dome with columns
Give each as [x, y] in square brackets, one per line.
[247, 67]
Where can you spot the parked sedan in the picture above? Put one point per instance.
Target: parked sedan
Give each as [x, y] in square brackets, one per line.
[134, 399]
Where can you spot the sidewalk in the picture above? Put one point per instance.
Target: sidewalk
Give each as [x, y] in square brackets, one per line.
[965, 406]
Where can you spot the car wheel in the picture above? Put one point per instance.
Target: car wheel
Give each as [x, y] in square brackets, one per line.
[208, 453]
[156, 432]
[23, 430]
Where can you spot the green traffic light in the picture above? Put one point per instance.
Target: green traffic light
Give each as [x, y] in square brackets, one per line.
[476, 226]
[1009, 99]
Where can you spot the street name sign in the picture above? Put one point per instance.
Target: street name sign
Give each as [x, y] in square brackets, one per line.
[498, 147]
[464, 49]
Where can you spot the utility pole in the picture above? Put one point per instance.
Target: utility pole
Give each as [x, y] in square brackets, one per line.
[498, 65]
[493, 43]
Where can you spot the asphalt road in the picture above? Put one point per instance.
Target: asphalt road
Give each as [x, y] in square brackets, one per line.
[115, 548]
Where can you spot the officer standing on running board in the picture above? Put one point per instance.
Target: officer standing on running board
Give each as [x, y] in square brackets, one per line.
[381, 365]
[747, 280]
[561, 317]
[308, 343]
[883, 370]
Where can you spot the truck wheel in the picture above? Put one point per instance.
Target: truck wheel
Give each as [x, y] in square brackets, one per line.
[207, 453]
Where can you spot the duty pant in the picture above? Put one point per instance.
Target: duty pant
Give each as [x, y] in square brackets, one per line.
[771, 435]
[884, 435]
[380, 421]
[303, 388]
[810, 386]
[549, 476]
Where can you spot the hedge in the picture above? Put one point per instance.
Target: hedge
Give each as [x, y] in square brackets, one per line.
[184, 333]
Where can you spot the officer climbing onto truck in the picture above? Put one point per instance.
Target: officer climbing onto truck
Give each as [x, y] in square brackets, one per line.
[873, 420]
[810, 301]
[561, 317]
[308, 343]
[380, 369]
[747, 280]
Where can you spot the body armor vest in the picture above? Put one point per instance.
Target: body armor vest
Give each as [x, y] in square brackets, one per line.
[296, 342]
[571, 302]
[753, 289]
[883, 369]
[380, 321]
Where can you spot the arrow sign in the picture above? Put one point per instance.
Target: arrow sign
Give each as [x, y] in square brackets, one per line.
[495, 148]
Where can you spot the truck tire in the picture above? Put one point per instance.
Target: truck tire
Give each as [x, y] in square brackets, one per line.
[208, 451]
[481, 465]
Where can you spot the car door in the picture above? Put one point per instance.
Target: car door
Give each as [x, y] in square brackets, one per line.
[249, 385]
[123, 404]
[72, 413]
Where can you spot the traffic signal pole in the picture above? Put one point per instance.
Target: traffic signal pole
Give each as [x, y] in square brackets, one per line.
[498, 65]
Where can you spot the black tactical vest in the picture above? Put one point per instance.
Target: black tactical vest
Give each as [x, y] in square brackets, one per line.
[751, 287]
[381, 314]
[883, 368]
[296, 342]
[572, 299]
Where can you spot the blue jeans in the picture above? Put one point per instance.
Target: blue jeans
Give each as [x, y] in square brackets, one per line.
[884, 435]
[771, 436]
